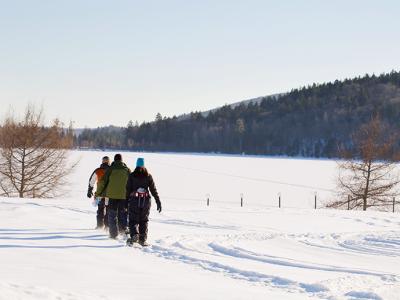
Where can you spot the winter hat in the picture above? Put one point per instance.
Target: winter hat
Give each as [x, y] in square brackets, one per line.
[106, 159]
[140, 162]
[118, 157]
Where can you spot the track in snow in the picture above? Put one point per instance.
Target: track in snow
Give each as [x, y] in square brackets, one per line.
[280, 250]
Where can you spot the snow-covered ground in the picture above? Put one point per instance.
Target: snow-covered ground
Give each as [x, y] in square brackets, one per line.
[48, 249]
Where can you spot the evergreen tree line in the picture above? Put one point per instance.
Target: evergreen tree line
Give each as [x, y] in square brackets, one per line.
[310, 121]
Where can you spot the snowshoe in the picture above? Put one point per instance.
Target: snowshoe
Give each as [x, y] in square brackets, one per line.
[144, 244]
[132, 240]
[123, 235]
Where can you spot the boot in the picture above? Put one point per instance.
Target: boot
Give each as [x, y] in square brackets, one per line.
[133, 239]
[142, 241]
[114, 237]
[112, 223]
[123, 234]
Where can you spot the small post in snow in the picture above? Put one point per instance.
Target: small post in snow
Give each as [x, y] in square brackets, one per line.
[279, 196]
[394, 201]
[315, 200]
[348, 202]
[241, 200]
[208, 199]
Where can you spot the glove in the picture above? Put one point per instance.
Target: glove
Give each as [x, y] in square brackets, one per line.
[159, 206]
[90, 192]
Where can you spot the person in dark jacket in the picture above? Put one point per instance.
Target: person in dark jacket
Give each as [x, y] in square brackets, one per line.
[97, 175]
[113, 185]
[140, 185]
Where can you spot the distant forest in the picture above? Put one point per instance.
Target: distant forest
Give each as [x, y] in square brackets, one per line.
[310, 122]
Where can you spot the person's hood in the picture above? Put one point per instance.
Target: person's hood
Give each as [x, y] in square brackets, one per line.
[118, 164]
[140, 172]
[104, 166]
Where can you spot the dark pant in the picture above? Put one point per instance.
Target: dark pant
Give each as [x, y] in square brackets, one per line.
[117, 216]
[139, 212]
[102, 216]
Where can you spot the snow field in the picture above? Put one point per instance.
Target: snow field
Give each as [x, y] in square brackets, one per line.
[48, 249]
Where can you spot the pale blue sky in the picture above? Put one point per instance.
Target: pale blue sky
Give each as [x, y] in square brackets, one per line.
[107, 62]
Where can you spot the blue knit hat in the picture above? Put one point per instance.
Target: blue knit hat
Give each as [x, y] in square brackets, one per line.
[140, 162]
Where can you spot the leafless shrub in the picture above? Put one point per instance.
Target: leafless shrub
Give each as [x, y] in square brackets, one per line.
[367, 173]
[33, 157]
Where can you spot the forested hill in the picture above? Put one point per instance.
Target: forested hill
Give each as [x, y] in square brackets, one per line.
[310, 121]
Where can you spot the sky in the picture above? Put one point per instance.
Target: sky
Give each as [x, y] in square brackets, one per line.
[97, 62]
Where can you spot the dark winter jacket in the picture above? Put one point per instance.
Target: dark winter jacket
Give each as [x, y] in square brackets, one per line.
[96, 177]
[113, 183]
[140, 178]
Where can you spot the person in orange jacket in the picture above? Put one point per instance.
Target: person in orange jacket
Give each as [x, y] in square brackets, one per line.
[102, 201]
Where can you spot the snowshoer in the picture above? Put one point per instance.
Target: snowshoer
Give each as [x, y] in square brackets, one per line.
[97, 175]
[113, 184]
[140, 185]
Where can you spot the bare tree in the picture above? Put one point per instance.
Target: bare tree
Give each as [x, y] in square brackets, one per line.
[33, 157]
[368, 174]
